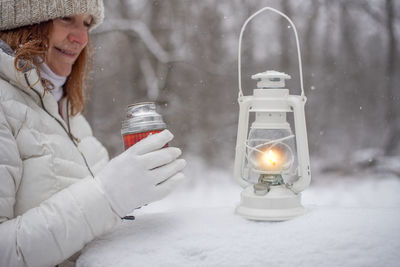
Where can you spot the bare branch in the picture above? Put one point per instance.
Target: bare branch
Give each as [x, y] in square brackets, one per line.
[366, 6]
[140, 29]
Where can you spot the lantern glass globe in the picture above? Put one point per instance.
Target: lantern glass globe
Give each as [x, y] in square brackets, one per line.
[270, 151]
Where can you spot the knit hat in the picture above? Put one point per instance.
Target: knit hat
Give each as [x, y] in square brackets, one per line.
[17, 13]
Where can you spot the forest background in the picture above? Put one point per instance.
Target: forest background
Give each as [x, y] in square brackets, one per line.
[182, 54]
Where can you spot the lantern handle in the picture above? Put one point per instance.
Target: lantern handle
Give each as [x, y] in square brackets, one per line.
[240, 47]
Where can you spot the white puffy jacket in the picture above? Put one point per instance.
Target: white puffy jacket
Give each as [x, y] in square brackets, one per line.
[50, 206]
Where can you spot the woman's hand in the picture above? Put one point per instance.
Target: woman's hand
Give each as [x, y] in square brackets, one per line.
[144, 173]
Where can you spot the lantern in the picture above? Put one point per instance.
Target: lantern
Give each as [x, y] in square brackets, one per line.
[272, 162]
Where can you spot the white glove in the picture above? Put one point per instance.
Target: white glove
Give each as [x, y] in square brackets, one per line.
[144, 173]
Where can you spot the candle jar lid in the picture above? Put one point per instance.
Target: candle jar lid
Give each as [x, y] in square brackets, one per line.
[141, 117]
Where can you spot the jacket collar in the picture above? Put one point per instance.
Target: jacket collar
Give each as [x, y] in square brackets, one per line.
[21, 80]
[6, 48]
[27, 81]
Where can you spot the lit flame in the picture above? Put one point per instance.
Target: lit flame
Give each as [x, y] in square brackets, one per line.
[271, 158]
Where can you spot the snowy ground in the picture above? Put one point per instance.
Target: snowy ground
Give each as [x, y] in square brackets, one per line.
[352, 220]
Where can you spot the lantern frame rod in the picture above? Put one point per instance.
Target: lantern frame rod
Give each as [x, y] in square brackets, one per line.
[297, 44]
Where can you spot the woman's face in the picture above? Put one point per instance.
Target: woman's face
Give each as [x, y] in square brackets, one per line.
[67, 38]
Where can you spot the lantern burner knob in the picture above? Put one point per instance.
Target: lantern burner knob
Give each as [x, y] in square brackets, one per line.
[261, 189]
[265, 181]
[271, 79]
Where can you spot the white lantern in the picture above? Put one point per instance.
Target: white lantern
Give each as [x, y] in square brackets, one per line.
[272, 162]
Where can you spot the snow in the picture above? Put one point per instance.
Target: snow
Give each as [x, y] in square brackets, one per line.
[351, 221]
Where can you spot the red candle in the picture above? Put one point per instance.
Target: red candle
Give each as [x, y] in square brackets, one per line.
[141, 120]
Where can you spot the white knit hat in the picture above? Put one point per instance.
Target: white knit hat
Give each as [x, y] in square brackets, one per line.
[17, 13]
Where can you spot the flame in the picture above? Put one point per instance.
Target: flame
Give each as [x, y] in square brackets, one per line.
[271, 158]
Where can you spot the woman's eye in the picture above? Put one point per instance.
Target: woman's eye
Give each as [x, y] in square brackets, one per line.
[87, 24]
[66, 19]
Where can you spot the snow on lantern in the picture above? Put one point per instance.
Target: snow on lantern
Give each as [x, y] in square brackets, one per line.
[271, 163]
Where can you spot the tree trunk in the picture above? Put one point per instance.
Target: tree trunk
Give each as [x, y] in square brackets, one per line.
[309, 35]
[394, 130]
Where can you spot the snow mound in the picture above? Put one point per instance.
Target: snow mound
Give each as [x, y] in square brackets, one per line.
[351, 221]
[217, 237]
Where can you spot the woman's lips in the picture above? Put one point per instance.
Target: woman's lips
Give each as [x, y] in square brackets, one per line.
[67, 53]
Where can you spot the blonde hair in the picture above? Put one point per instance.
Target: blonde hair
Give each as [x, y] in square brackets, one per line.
[30, 44]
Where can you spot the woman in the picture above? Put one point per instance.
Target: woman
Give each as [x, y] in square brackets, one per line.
[57, 189]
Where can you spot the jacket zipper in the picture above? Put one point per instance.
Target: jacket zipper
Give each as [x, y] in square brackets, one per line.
[73, 138]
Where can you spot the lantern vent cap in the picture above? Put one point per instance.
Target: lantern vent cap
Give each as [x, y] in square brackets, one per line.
[271, 79]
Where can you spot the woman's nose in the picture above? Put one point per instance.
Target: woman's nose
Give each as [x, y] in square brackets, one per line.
[79, 36]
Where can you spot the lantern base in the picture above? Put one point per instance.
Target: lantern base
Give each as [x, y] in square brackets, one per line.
[279, 204]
